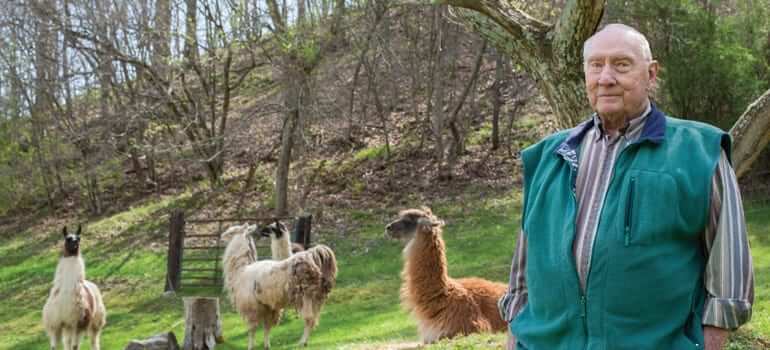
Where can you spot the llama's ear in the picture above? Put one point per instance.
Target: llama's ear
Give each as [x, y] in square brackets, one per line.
[437, 222]
[427, 210]
[78, 232]
[64, 231]
[281, 226]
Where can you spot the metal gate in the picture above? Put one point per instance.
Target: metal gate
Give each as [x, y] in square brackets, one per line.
[195, 248]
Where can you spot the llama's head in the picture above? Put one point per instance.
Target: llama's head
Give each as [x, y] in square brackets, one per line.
[276, 230]
[234, 230]
[71, 242]
[413, 221]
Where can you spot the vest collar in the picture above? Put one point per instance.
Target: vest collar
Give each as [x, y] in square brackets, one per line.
[654, 131]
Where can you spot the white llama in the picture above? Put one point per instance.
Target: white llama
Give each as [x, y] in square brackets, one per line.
[74, 305]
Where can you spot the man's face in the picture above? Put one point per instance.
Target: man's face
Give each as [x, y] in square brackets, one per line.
[617, 75]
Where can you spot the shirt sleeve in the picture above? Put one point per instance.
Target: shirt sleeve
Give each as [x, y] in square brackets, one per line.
[729, 275]
[514, 299]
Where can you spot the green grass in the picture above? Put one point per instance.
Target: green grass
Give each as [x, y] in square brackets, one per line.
[363, 311]
[370, 153]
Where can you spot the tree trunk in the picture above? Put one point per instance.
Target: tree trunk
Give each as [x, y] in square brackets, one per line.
[203, 326]
[458, 139]
[191, 34]
[161, 33]
[44, 89]
[751, 134]
[497, 100]
[284, 161]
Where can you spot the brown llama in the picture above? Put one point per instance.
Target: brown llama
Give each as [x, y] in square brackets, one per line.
[443, 306]
[74, 306]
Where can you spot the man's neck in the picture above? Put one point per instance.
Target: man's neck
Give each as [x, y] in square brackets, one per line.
[614, 126]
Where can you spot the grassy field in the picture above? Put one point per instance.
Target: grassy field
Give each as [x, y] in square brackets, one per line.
[125, 255]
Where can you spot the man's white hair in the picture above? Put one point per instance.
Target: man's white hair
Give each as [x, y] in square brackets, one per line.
[644, 45]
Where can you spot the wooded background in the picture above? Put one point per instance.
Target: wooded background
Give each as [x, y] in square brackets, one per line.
[104, 101]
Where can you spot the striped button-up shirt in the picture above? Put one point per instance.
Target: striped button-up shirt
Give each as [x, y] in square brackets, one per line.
[728, 277]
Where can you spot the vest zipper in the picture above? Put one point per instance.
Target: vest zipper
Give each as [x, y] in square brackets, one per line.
[584, 294]
[582, 301]
[629, 211]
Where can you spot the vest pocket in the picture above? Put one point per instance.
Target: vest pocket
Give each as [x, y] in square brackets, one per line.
[651, 212]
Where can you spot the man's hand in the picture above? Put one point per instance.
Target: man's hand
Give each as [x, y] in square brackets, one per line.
[511, 343]
[714, 337]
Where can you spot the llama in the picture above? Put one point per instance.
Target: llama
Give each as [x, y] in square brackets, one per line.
[443, 307]
[74, 305]
[280, 245]
[259, 290]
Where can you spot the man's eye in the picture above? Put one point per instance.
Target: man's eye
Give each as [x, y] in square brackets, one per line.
[595, 67]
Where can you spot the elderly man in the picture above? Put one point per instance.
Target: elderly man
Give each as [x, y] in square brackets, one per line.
[633, 234]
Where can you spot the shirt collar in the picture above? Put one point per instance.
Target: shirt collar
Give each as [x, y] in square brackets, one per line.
[630, 131]
[653, 130]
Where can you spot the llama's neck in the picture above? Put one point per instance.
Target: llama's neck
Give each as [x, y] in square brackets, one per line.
[238, 255]
[280, 247]
[425, 270]
[70, 272]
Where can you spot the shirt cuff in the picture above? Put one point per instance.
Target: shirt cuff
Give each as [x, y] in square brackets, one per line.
[503, 306]
[509, 305]
[726, 313]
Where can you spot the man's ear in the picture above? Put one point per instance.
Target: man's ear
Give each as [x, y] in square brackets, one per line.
[652, 71]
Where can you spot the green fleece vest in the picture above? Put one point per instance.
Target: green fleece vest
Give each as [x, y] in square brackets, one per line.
[645, 285]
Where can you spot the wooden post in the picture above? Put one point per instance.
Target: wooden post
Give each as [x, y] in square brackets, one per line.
[203, 326]
[175, 250]
[302, 230]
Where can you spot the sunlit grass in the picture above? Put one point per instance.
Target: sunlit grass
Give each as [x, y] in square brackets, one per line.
[363, 311]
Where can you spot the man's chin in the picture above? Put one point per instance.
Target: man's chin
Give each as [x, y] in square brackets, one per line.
[611, 115]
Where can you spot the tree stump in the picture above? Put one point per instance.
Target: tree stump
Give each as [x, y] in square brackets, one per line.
[163, 341]
[203, 326]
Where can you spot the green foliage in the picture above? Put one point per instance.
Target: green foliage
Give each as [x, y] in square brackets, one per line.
[482, 135]
[711, 58]
[304, 47]
[371, 153]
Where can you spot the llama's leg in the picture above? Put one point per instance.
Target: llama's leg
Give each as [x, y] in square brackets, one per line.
[94, 334]
[54, 336]
[68, 337]
[65, 339]
[309, 325]
[267, 335]
[252, 329]
[76, 338]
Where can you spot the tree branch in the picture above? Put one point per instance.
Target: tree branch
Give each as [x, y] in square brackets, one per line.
[578, 21]
[513, 20]
[751, 134]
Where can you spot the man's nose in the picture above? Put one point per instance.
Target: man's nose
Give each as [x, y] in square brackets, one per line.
[607, 76]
